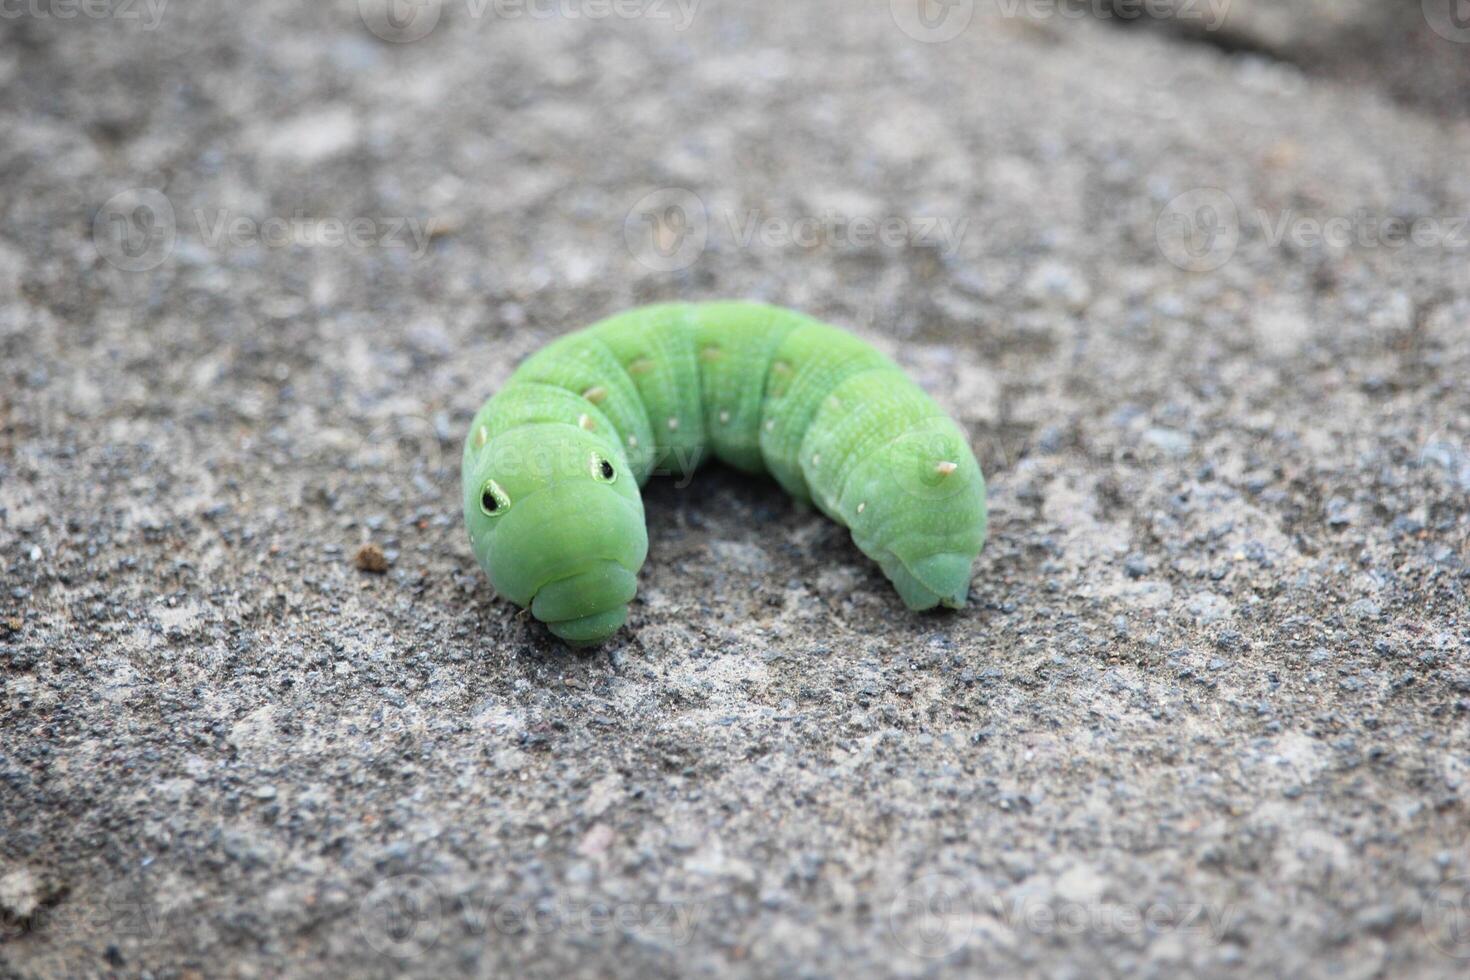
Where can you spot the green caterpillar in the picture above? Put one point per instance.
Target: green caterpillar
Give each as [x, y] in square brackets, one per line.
[553, 462]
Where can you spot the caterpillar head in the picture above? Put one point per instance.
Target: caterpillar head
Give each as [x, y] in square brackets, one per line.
[557, 523]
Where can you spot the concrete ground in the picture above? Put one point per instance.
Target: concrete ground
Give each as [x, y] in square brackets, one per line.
[1197, 288]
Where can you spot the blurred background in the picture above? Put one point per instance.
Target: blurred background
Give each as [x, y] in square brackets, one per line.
[1192, 273]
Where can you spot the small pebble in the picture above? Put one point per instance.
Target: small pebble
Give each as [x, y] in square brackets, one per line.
[370, 558]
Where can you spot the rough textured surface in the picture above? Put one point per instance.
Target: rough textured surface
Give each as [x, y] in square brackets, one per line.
[1210, 711]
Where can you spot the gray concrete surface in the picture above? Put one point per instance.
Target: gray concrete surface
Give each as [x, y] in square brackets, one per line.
[1208, 714]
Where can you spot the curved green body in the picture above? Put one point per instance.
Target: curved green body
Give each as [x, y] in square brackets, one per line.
[553, 462]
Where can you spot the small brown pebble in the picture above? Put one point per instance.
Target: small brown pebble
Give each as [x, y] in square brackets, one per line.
[370, 558]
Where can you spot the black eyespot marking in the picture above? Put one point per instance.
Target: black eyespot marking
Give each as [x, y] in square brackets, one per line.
[493, 500]
[602, 470]
[607, 470]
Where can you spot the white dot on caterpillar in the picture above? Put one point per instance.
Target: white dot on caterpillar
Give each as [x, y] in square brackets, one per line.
[862, 507]
[944, 467]
[585, 421]
[724, 417]
[632, 440]
[770, 424]
[673, 424]
[816, 458]
[482, 435]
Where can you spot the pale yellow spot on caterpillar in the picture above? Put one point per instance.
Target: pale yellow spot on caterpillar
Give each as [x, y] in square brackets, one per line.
[641, 366]
[673, 424]
[710, 353]
[862, 507]
[482, 436]
[770, 424]
[781, 374]
[632, 440]
[585, 421]
[595, 394]
[816, 458]
[945, 467]
[724, 416]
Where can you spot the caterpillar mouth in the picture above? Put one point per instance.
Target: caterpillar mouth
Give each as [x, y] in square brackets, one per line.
[589, 630]
[938, 580]
[588, 606]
